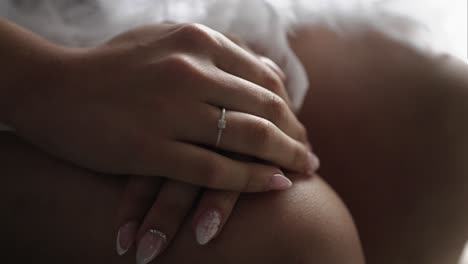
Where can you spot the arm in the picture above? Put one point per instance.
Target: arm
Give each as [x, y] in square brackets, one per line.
[26, 61]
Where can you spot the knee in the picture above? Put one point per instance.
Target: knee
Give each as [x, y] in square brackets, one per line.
[320, 229]
[307, 224]
[311, 225]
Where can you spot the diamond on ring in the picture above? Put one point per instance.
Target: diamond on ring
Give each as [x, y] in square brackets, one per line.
[221, 125]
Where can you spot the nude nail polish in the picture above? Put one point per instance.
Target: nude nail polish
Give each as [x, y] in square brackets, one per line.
[207, 226]
[279, 182]
[125, 237]
[150, 246]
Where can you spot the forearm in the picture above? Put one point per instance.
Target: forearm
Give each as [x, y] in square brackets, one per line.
[26, 62]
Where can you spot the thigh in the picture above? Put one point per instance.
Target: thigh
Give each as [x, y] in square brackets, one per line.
[389, 126]
[53, 212]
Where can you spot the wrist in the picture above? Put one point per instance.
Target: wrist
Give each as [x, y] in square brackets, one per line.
[32, 66]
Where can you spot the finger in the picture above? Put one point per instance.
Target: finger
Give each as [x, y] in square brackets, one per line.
[196, 165]
[274, 67]
[237, 94]
[244, 64]
[212, 212]
[264, 59]
[246, 134]
[164, 219]
[247, 96]
[138, 197]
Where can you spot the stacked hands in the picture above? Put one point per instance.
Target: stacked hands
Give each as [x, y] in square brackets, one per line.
[147, 104]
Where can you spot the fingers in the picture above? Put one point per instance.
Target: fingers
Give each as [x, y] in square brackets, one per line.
[164, 219]
[213, 211]
[239, 95]
[199, 166]
[273, 66]
[153, 229]
[246, 134]
[244, 83]
[264, 59]
[238, 61]
[138, 197]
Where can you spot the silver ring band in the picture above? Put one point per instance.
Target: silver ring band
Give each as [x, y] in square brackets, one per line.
[221, 125]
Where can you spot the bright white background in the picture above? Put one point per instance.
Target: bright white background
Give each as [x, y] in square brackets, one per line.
[458, 19]
[446, 19]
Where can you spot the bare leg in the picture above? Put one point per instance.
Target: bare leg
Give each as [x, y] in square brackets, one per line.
[386, 146]
[55, 213]
[391, 130]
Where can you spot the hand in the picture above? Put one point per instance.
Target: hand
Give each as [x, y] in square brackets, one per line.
[149, 100]
[153, 225]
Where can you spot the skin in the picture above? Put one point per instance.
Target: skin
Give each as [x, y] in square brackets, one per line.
[116, 109]
[306, 223]
[422, 222]
[339, 232]
[389, 124]
[136, 74]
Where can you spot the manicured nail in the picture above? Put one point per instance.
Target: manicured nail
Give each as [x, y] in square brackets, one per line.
[313, 164]
[207, 226]
[150, 246]
[125, 237]
[279, 182]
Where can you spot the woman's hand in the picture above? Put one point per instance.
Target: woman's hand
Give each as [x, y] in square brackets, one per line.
[154, 209]
[153, 226]
[148, 102]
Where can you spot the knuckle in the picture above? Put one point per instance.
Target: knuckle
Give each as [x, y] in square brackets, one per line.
[299, 157]
[255, 180]
[179, 64]
[272, 82]
[262, 132]
[198, 36]
[275, 108]
[248, 184]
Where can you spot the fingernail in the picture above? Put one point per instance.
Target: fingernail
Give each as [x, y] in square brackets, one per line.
[207, 226]
[125, 237]
[279, 182]
[313, 164]
[150, 246]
